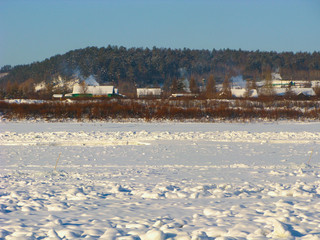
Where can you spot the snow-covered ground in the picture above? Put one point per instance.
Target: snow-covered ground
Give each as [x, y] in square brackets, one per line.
[153, 181]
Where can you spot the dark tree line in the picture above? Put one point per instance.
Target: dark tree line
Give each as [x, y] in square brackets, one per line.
[140, 67]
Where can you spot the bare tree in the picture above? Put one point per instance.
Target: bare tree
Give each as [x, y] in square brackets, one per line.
[267, 89]
[226, 89]
[211, 89]
[289, 92]
[193, 85]
[84, 87]
[248, 88]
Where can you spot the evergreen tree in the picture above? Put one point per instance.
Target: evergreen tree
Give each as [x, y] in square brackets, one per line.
[181, 86]
[174, 86]
[177, 85]
[116, 65]
[5, 68]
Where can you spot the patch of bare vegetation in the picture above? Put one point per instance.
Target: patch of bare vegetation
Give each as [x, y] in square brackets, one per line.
[182, 109]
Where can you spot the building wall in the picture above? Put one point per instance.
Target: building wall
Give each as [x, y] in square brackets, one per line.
[94, 90]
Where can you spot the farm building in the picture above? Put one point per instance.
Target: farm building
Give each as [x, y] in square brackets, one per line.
[94, 90]
[148, 92]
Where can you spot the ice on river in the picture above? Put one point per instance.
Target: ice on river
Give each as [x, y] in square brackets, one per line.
[152, 181]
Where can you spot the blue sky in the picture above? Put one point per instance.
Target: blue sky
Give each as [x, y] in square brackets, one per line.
[33, 30]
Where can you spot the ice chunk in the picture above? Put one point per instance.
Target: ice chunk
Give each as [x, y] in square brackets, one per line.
[280, 230]
[153, 234]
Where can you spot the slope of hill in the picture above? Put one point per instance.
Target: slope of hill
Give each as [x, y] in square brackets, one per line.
[141, 67]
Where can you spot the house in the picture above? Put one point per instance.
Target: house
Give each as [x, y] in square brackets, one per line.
[149, 92]
[308, 92]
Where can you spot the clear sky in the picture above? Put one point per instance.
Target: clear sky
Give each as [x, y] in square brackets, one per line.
[32, 30]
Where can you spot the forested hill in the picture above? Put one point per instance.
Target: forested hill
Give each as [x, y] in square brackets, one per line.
[158, 66]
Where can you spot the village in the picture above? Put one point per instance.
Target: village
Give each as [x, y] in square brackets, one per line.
[237, 88]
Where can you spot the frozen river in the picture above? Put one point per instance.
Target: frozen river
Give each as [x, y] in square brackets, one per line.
[154, 181]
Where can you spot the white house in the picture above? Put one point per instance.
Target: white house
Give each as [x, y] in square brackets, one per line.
[148, 92]
[94, 90]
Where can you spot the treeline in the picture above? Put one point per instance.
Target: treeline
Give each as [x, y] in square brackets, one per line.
[199, 110]
[141, 67]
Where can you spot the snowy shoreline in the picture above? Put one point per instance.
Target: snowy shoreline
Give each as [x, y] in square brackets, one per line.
[165, 180]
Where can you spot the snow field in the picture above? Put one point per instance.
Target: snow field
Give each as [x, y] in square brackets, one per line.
[115, 183]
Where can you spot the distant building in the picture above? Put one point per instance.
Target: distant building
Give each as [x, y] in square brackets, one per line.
[278, 82]
[148, 92]
[184, 95]
[94, 90]
[308, 92]
[3, 74]
[293, 83]
[57, 96]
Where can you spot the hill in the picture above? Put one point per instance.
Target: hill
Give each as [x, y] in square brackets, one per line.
[140, 67]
